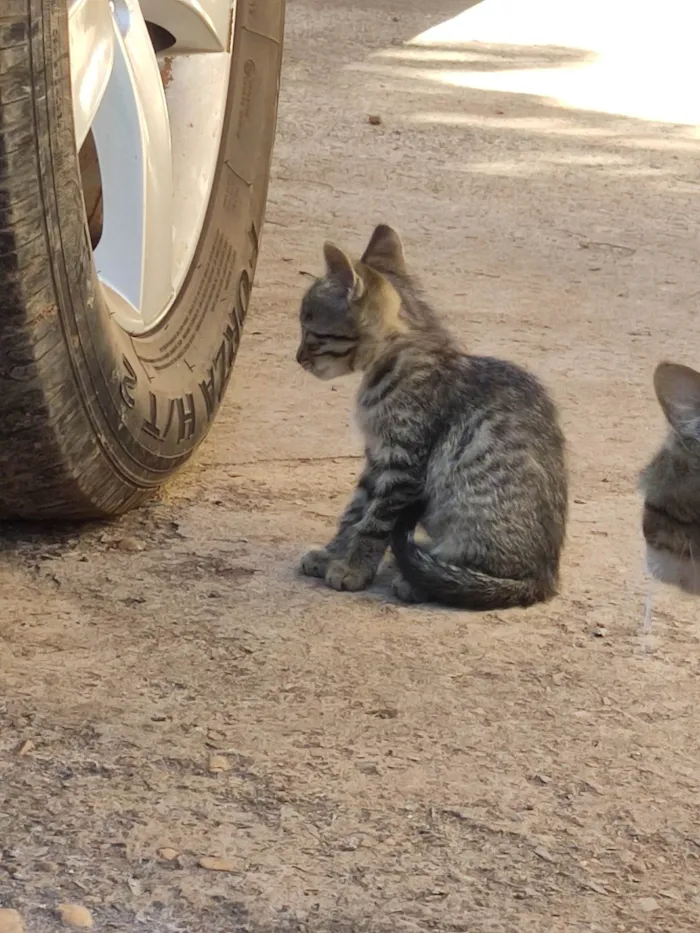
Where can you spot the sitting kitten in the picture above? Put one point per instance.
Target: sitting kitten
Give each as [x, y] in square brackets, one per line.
[671, 483]
[469, 446]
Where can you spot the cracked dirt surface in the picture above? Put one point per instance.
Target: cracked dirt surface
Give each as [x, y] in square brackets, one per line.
[386, 769]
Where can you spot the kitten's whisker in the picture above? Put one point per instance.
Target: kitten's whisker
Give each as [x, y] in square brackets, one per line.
[648, 605]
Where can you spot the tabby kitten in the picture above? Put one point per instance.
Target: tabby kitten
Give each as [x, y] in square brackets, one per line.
[671, 483]
[468, 446]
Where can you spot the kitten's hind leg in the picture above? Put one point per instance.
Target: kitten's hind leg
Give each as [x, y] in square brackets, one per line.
[345, 575]
[391, 487]
[356, 569]
[406, 592]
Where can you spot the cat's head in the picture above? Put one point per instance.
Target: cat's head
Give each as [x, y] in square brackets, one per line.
[347, 313]
[671, 483]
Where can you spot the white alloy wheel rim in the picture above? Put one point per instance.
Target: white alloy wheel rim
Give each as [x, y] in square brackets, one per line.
[156, 126]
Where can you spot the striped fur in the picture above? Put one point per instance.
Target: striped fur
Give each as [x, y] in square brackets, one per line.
[468, 446]
[671, 483]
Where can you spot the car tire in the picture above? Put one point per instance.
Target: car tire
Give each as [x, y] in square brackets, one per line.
[92, 419]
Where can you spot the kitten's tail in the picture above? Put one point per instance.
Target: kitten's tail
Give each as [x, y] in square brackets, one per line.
[460, 587]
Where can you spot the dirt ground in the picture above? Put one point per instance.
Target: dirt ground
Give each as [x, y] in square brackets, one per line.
[390, 769]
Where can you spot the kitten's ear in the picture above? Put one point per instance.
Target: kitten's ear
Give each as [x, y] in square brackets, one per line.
[338, 264]
[678, 391]
[385, 252]
[340, 268]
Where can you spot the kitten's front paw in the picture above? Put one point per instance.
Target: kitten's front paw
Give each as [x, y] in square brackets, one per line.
[315, 563]
[344, 576]
[405, 591]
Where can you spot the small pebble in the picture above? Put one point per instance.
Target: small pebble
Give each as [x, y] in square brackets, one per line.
[648, 904]
[374, 119]
[168, 854]
[131, 545]
[600, 631]
[366, 767]
[10, 921]
[135, 886]
[213, 863]
[597, 887]
[76, 916]
[26, 747]
[217, 764]
[544, 854]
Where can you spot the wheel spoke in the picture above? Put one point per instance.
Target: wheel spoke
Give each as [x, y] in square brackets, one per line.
[91, 32]
[196, 25]
[132, 136]
[145, 239]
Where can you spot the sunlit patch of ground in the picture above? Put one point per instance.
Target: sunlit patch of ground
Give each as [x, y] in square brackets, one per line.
[623, 57]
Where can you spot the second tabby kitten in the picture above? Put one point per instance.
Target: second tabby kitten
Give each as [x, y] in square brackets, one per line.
[671, 482]
[468, 446]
